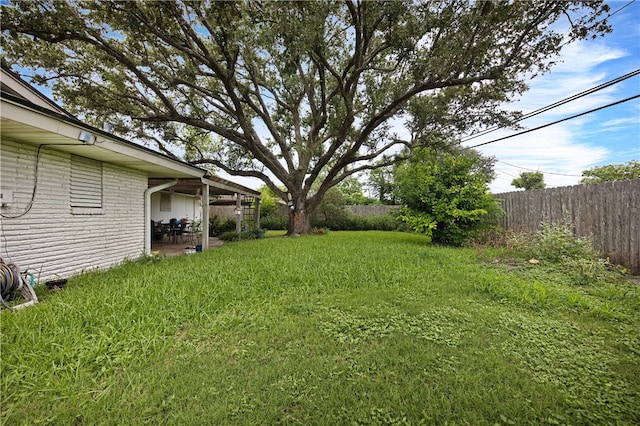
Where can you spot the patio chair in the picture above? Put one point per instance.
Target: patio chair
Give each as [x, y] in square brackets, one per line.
[176, 228]
[191, 231]
[156, 229]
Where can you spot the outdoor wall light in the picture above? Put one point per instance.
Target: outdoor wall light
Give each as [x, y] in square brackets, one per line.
[84, 136]
[237, 211]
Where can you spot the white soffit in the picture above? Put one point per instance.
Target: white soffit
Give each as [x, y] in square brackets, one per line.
[29, 126]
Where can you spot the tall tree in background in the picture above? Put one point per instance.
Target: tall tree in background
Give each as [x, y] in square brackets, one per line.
[610, 172]
[351, 190]
[300, 94]
[381, 184]
[529, 180]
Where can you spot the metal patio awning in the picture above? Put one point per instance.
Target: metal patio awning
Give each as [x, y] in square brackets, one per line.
[217, 186]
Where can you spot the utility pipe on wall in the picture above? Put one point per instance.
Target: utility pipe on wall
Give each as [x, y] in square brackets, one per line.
[147, 212]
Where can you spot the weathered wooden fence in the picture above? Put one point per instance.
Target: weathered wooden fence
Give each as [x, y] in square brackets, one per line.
[608, 213]
[222, 212]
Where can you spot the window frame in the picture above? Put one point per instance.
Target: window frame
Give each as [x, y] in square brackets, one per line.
[86, 186]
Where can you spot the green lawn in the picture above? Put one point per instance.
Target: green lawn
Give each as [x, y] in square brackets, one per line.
[363, 328]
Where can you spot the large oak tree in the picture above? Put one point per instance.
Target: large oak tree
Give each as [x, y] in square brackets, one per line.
[301, 95]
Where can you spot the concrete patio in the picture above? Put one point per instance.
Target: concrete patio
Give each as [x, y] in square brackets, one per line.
[171, 249]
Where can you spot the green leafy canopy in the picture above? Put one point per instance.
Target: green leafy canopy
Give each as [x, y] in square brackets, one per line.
[611, 172]
[298, 94]
[529, 180]
[446, 194]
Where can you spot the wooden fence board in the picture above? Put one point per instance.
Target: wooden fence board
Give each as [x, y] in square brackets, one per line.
[607, 213]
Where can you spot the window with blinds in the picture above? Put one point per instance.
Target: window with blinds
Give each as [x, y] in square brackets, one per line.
[165, 202]
[86, 183]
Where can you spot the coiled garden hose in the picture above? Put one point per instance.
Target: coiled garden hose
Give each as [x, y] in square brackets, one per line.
[10, 282]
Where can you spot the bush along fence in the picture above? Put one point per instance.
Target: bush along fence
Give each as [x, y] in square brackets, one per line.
[608, 213]
[347, 218]
[372, 210]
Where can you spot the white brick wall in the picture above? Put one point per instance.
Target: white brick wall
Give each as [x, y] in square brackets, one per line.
[52, 241]
[182, 206]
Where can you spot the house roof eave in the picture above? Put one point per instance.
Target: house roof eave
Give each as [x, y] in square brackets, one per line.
[27, 123]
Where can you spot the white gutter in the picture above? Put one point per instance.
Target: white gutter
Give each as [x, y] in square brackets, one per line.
[147, 212]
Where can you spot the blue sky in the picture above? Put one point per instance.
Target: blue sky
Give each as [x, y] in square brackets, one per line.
[609, 136]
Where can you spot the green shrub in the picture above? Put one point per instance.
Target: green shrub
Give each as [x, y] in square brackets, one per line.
[446, 194]
[340, 221]
[350, 222]
[218, 227]
[229, 236]
[252, 234]
[214, 225]
[556, 243]
[258, 233]
[335, 223]
[585, 271]
[228, 225]
[274, 222]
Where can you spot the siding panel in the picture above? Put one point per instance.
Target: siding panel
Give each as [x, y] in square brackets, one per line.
[50, 240]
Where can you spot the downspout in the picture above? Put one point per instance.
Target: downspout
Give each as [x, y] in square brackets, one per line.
[147, 212]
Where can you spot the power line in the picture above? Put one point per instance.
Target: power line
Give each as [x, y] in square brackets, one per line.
[566, 100]
[608, 16]
[543, 172]
[505, 173]
[556, 104]
[555, 122]
[628, 4]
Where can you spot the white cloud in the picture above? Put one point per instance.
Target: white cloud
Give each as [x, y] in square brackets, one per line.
[548, 150]
[581, 57]
[581, 66]
[621, 121]
[561, 148]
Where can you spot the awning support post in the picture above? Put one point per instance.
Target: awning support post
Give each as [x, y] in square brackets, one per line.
[257, 212]
[238, 212]
[205, 217]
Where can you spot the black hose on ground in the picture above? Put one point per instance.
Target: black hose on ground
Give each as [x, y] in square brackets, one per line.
[10, 282]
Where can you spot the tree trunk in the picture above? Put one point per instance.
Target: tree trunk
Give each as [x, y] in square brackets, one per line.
[299, 221]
